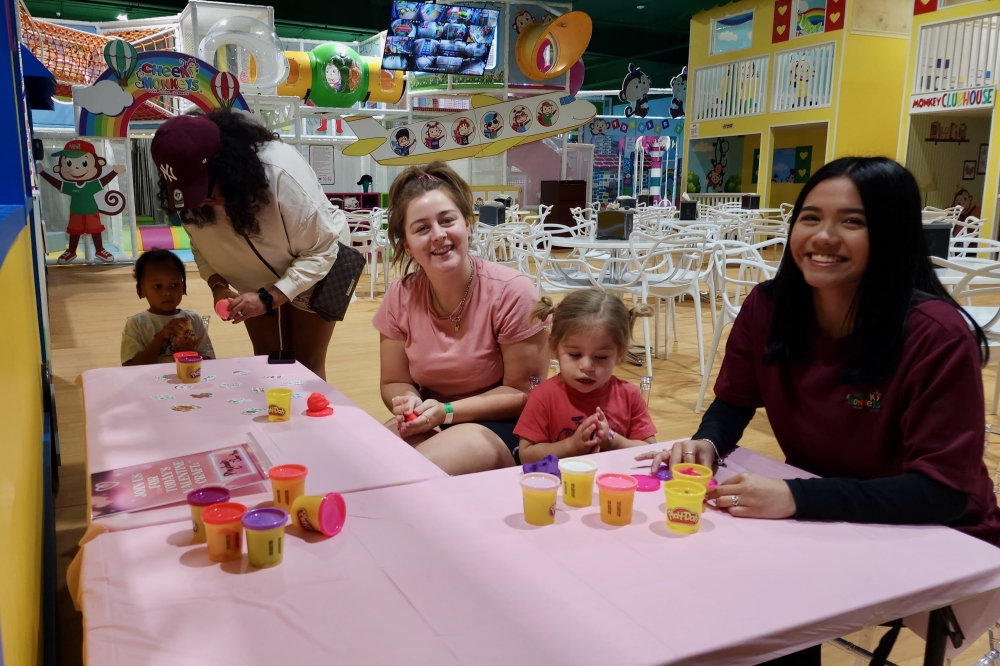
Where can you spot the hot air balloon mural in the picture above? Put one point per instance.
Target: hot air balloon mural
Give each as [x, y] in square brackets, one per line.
[121, 58]
[226, 88]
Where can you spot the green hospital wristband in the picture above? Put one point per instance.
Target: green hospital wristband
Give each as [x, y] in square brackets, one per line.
[449, 413]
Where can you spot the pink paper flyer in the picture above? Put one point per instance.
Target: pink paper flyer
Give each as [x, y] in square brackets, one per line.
[168, 481]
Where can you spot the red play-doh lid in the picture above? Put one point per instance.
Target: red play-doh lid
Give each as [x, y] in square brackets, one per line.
[223, 513]
[289, 472]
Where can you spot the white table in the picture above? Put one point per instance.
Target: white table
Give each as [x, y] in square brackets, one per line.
[447, 572]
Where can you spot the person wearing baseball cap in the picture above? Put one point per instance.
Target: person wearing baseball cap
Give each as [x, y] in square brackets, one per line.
[79, 171]
[262, 231]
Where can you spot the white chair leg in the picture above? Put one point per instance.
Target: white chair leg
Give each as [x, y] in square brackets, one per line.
[645, 333]
[996, 391]
[719, 325]
[666, 328]
[372, 273]
[698, 331]
[656, 330]
[673, 317]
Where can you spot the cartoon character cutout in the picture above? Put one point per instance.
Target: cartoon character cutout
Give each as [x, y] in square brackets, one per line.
[402, 142]
[635, 90]
[964, 199]
[433, 134]
[522, 21]
[80, 175]
[715, 179]
[598, 126]
[520, 119]
[548, 113]
[463, 131]
[492, 125]
[679, 87]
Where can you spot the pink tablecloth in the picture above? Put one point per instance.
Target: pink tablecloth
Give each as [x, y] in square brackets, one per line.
[447, 572]
[345, 452]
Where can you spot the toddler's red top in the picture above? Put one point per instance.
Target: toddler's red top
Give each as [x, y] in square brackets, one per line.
[554, 411]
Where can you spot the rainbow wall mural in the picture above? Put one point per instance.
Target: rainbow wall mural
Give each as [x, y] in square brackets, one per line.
[107, 105]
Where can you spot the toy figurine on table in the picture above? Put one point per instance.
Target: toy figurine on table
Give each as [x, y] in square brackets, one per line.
[81, 175]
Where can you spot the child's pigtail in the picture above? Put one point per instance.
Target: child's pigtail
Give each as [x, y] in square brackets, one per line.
[636, 311]
[543, 310]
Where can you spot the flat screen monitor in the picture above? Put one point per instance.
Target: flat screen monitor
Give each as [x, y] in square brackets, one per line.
[439, 39]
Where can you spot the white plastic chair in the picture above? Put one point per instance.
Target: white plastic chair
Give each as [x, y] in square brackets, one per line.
[363, 240]
[671, 267]
[740, 267]
[982, 280]
[932, 214]
[966, 234]
[533, 220]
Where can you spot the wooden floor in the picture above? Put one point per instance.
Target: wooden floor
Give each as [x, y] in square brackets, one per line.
[88, 307]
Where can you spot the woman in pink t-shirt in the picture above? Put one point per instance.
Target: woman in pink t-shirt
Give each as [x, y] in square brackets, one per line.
[458, 348]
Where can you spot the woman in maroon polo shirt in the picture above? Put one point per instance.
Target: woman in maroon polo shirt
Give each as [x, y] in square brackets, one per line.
[868, 369]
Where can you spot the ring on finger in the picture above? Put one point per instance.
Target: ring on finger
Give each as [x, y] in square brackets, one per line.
[736, 500]
[688, 453]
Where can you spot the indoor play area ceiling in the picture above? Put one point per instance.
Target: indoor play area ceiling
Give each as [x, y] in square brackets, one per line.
[654, 37]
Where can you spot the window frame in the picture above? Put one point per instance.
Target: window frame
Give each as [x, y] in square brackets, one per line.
[713, 30]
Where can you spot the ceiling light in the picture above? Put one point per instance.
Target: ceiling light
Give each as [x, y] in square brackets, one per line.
[122, 17]
[640, 6]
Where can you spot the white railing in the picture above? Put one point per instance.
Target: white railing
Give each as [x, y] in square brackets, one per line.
[710, 200]
[730, 90]
[958, 54]
[803, 78]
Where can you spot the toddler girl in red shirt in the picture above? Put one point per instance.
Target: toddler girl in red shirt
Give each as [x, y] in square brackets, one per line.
[585, 408]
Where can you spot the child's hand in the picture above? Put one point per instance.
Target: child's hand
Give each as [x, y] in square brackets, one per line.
[186, 342]
[603, 429]
[175, 328]
[584, 440]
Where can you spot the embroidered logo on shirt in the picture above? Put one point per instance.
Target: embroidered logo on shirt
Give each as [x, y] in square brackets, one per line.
[861, 400]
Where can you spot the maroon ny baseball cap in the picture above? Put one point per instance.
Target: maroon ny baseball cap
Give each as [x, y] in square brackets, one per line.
[181, 149]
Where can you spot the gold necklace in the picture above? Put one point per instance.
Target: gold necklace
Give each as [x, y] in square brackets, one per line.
[457, 318]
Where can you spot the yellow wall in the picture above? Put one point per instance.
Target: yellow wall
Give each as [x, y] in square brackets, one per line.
[872, 82]
[865, 105]
[20, 459]
[988, 208]
[786, 137]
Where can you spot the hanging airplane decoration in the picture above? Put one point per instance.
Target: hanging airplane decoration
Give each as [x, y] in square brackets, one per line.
[489, 128]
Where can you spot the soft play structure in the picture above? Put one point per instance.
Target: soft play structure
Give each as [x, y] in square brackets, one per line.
[506, 122]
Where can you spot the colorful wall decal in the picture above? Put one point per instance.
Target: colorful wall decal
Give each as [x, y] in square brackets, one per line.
[107, 105]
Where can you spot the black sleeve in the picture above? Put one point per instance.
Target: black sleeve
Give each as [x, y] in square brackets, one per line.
[723, 424]
[906, 499]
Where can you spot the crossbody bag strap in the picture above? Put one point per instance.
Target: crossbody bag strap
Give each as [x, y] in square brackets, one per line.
[262, 259]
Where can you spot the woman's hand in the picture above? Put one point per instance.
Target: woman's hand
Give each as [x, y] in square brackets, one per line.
[752, 496]
[245, 306]
[223, 294]
[698, 451]
[429, 415]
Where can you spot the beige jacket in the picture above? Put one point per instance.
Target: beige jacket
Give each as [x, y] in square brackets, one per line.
[299, 230]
